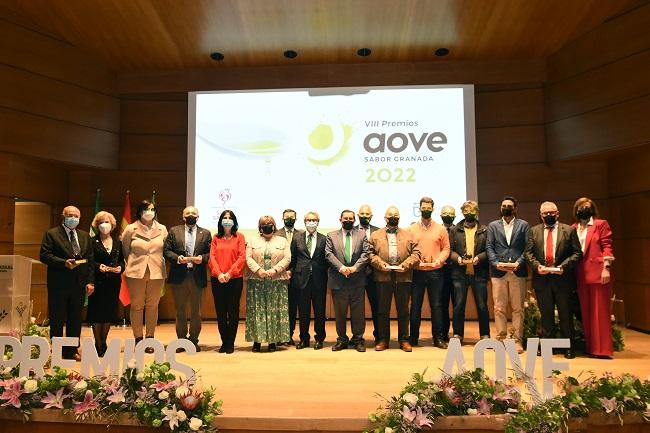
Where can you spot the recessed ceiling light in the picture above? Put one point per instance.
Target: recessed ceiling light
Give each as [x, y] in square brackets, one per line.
[441, 52]
[364, 52]
[290, 54]
[217, 56]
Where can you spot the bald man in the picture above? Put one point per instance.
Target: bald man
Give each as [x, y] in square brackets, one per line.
[68, 254]
[187, 247]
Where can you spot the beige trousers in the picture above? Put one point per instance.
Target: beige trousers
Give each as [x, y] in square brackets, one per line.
[509, 289]
[145, 295]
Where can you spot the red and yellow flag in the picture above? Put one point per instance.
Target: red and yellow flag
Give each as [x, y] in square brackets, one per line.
[125, 298]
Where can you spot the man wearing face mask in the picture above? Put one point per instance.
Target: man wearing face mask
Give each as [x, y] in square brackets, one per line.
[433, 242]
[552, 251]
[68, 254]
[393, 255]
[447, 215]
[367, 229]
[187, 248]
[346, 251]
[470, 268]
[506, 242]
[309, 278]
[288, 232]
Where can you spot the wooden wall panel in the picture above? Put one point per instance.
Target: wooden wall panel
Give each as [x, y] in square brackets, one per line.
[164, 152]
[617, 38]
[509, 108]
[32, 179]
[510, 145]
[630, 172]
[43, 96]
[154, 117]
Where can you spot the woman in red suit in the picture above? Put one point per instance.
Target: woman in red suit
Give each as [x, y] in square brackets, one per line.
[594, 279]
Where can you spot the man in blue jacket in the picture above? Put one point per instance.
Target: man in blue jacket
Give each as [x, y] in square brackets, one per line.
[506, 243]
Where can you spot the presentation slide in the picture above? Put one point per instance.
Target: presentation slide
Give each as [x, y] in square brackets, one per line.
[326, 150]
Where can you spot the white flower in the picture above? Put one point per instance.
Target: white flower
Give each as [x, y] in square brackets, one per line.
[471, 411]
[132, 363]
[163, 395]
[388, 430]
[31, 386]
[81, 385]
[195, 424]
[139, 377]
[410, 398]
[181, 415]
[32, 319]
[23, 379]
[171, 415]
[182, 391]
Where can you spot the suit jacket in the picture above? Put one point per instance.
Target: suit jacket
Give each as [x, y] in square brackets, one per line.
[335, 254]
[142, 251]
[498, 249]
[114, 258]
[280, 256]
[175, 246]
[408, 255]
[281, 232]
[567, 254]
[56, 249]
[598, 245]
[458, 243]
[372, 229]
[303, 265]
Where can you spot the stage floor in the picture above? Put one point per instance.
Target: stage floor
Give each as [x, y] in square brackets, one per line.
[310, 384]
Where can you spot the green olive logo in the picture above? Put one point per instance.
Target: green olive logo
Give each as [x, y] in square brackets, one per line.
[328, 144]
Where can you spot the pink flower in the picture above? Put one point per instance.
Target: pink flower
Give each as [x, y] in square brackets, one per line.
[484, 407]
[110, 384]
[54, 400]
[117, 396]
[163, 386]
[408, 414]
[191, 400]
[421, 419]
[12, 393]
[609, 404]
[88, 404]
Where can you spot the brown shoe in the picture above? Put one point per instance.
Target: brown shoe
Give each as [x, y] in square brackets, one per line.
[382, 345]
[405, 346]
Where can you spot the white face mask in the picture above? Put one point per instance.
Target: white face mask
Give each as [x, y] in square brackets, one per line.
[148, 215]
[311, 226]
[105, 228]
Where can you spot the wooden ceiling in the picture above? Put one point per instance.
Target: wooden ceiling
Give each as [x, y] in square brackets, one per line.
[152, 35]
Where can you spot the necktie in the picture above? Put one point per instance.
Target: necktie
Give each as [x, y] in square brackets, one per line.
[76, 250]
[189, 245]
[348, 249]
[309, 243]
[289, 235]
[549, 247]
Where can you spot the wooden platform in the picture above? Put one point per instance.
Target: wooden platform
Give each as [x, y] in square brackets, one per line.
[309, 390]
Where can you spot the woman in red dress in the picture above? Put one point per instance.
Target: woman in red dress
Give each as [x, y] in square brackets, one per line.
[594, 279]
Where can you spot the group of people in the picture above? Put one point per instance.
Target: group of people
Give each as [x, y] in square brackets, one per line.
[288, 272]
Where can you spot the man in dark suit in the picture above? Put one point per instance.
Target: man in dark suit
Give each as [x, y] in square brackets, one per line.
[309, 277]
[288, 232]
[365, 216]
[187, 247]
[68, 254]
[505, 245]
[553, 249]
[447, 215]
[347, 253]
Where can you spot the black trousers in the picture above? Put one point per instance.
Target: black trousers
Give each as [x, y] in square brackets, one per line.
[373, 300]
[446, 296]
[312, 295]
[65, 305]
[552, 292]
[226, 304]
[294, 300]
[401, 292]
[352, 298]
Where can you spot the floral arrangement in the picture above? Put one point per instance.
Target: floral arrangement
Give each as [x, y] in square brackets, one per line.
[421, 402]
[31, 328]
[533, 324]
[154, 395]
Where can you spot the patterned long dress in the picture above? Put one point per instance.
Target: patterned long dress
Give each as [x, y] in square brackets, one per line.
[267, 307]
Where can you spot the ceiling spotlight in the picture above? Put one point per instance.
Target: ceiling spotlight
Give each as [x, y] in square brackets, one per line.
[441, 52]
[217, 56]
[290, 54]
[364, 52]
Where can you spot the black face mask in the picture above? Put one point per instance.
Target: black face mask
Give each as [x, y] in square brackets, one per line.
[348, 225]
[393, 221]
[289, 222]
[584, 213]
[549, 220]
[426, 214]
[364, 221]
[447, 219]
[267, 229]
[507, 211]
[190, 220]
[470, 218]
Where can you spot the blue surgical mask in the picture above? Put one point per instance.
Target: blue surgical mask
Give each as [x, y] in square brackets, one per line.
[227, 223]
[311, 226]
[71, 222]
